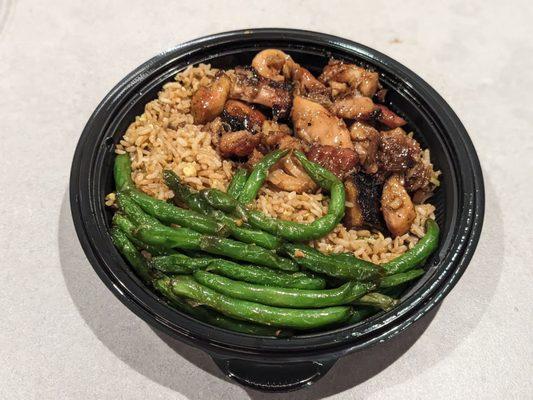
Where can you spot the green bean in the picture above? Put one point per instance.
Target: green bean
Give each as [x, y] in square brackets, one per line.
[284, 297]
[159, 209]
[128, 250]
[245, 252]
[378, 300]
[152, 232]
[300, 319]
[224, 202]
[179, 263]
[128, 228]
[265, 276]
[312, 259]
[258, 176]
[212, 317]
[170, 238]
[253, 236]
[169, 214]
[360, 313]
[134, 212]
[182, 264]
[122, 172]
[194, 201]
[184, 194]
[402, 277]
[319, 228]
[348, 257]
[415, 256]
[237, 183]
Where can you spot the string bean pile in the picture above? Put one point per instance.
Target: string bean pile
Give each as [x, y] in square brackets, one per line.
[213, 257]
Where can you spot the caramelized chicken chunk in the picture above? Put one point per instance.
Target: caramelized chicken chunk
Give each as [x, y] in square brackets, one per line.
[363, 194]
[289, 175]
[251, 87]
[279, 136]
[240, 144]
[208, 101]
[345, 78]
[365, 142]
[418, 177]
[276, 65]
[388, 117]
[240, 116]
[315, 124]
[306, 85]
[216, 128]
[398, 209]
[353, 107]
[273, 64]
[397, 151]
[289, 183]
[340, 161]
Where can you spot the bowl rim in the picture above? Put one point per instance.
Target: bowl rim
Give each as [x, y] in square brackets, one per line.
[339, 341]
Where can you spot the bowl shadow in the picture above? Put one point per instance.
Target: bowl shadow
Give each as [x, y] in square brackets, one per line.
[192, 373]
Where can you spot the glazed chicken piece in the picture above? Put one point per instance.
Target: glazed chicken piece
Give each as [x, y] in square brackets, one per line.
[418, 182]
[397, 152]
[280, 67]
[365, 142]
[273, 64]
[249, 86]
[363, 194]
[240, 116]
[289, 175]
[306, 85]
[240, 144]
[418, 177]
[340, 161]
[279, 136]
[315, 124]
[389, 118]
[353, 106]
[208, 101]
[345, 78]
[398, 209]
[216, 129]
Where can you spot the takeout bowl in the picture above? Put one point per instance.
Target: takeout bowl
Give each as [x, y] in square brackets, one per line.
[265, 363]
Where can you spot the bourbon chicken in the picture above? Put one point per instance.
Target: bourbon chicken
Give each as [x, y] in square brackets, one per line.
[398, 209]
[208, 101]
[366, 140]
[339, 160]
[315, 124]
[397, 151]
[280, 67]
[277, 103]
[249, 86]
[240, 115]
[345, 78]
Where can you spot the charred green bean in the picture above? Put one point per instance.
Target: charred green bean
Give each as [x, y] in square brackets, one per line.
[284, 297]
[300, 319]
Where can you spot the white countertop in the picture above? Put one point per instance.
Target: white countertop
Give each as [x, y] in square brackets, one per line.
[63, 335]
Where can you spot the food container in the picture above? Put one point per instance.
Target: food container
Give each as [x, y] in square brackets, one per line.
[265, 363]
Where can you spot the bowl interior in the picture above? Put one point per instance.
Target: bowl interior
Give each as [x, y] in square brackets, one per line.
[406, 96]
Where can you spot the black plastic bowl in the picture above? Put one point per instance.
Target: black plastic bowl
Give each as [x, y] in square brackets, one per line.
[265, 363]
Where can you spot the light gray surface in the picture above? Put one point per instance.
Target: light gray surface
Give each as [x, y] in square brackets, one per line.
[63, 335]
